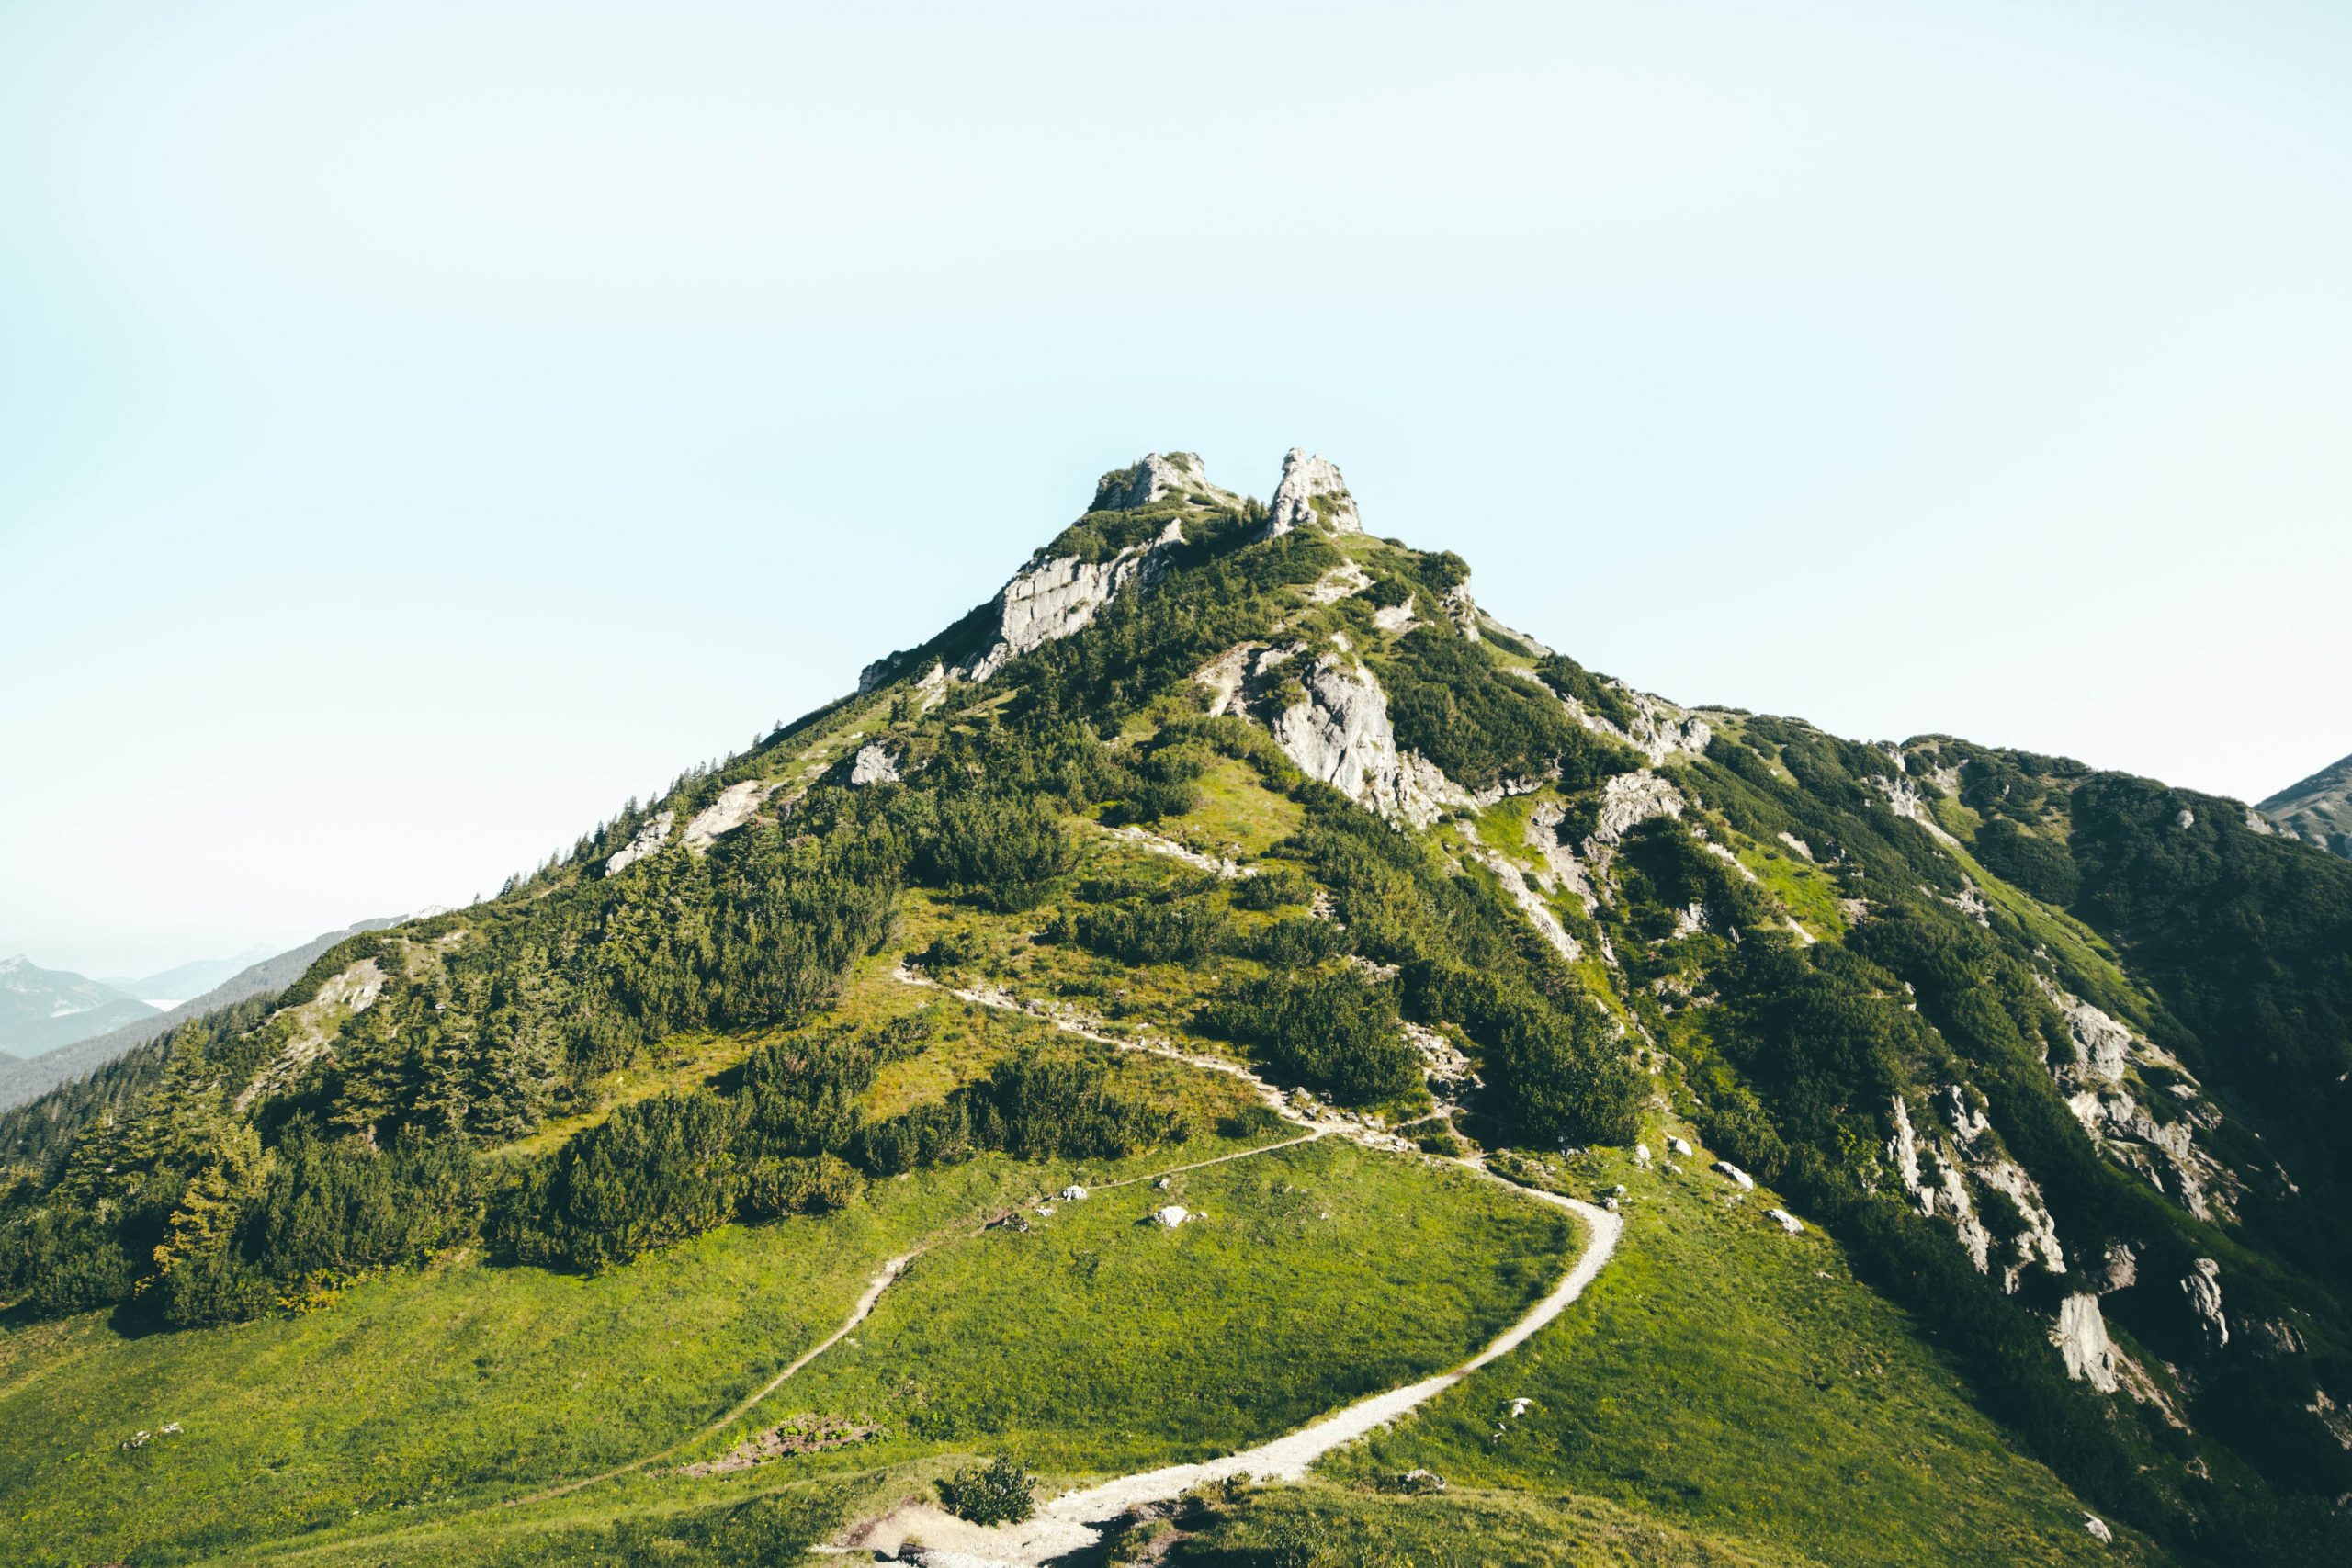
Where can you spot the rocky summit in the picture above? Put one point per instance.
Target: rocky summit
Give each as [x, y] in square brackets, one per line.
[1231, 1054]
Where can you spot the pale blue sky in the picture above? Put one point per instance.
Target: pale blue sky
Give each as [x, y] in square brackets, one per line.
[423, 426]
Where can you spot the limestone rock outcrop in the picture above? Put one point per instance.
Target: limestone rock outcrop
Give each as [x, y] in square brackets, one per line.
[1340, 733]
[2080, 1334]
[1060, 595]
[1156, 477]
[1312, 492]
[2202, 1286]
[873, 765]
[735, 806]
[650, 838]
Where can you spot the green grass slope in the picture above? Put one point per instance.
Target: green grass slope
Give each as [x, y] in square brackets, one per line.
[1088, 1343]
[1728, 1381]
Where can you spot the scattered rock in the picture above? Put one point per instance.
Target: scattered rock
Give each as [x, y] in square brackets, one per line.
[1073, 1193]
[808, 1433]
[1739, 1177]
[1786, 1221]
[1641, 1155]
[1680, 1148]
[1171, 1217]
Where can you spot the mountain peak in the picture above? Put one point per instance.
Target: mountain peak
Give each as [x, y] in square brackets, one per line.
[1312, 491]
[1153, 479]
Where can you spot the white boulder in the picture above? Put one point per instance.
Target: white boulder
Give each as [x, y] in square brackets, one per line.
[1786, 1221]
[1171, 1217]
[873, 765]
[1739, 1177]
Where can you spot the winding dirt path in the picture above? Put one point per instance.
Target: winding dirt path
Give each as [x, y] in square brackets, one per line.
[1069, 1523]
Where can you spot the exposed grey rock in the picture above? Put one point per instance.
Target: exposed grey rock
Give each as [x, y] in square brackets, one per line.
[1738, 1177]
[2276, 1337]
[1658, 730]
[1562, 868]
[1311, 492]
[1462, 609]
[1514, 881]
[1060, 595]
[1154, 480]
[2118, 1271]
[2098, 1530]
[2080, 1334]
[735, 806]
[873, 765]
[1340, 733]
[1904, 797]
[1680, 1148]
[2102, 1046]
[650, 838]
[1394, 618]
[344, 996]
[1344, 581]
[1627, 800]
[1786, 1221]
[2332, 1416]
[2202, 1286]
[1171, 1217]
[2184, 820]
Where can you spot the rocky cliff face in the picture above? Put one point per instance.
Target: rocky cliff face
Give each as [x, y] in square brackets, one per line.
[1059, 596]
[2318, 810]
[1313, 494]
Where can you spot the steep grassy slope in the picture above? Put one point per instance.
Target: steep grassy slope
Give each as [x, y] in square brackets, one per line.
[1739, 1384]
[1084, 1345]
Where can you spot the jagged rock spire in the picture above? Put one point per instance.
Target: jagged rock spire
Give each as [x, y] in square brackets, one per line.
[1312, 491]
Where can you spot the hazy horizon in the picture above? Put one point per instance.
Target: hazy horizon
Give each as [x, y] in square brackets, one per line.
[424, 428]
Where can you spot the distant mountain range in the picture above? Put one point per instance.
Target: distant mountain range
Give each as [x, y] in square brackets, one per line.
[42, 1009]
[168, 987]
[2318, 810]
[121, 1022]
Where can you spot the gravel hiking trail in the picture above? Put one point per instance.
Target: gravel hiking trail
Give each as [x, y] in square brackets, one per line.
[1071, 1523]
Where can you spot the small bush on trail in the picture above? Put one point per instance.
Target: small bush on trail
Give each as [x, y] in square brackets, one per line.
[997, 1493]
